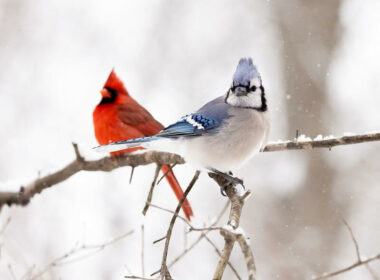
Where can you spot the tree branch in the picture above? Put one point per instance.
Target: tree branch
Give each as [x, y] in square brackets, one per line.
[107, 164]
[348, 268]
[232, 232]
[165, 274]
[359, 261]
[304, 143]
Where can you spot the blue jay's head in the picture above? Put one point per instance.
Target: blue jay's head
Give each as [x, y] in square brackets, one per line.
[247, 90]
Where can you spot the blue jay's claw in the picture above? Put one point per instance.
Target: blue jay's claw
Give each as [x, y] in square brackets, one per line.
[227, 180]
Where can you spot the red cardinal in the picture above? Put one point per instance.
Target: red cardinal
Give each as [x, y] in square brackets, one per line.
[119, 117]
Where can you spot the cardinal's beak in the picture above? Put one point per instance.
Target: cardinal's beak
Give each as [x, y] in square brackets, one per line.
[105, 93]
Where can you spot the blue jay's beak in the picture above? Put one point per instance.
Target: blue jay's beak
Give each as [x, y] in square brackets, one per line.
[241, 91]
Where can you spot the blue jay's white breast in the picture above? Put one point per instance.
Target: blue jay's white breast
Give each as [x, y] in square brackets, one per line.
[239, 138]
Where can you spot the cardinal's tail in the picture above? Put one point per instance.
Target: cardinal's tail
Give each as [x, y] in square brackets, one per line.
[172, 180]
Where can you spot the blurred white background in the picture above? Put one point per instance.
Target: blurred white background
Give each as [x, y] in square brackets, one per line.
[319, 64]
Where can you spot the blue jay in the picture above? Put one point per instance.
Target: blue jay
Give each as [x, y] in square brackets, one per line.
[223, 134]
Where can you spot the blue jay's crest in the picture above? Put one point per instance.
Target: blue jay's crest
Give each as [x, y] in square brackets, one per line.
[245, 72]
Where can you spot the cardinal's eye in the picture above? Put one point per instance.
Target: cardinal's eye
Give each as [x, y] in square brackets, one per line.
[253, 88]
[112, 91]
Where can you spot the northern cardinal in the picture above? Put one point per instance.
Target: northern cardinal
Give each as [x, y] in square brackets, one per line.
[119, 117]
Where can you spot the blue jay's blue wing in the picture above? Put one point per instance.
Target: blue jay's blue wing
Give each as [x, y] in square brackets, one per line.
[206, 120]
[189, 125]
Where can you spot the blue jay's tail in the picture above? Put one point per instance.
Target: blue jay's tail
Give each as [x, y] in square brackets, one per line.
[121, 145]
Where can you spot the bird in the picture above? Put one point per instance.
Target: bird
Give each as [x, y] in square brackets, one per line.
[119, 117]
[223, 134]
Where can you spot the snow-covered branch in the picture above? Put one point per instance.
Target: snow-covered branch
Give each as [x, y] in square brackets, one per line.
[23, 196]
[303, 142]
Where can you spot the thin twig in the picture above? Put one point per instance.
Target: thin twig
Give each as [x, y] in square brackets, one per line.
[137, 277]
[166, 173]
[150, 195]
[11, 272]
[75, 250]
[164, 269]
[173, 212]
[203, 235]
[142, 251]
[132, 172]
[353, 239]
[5, 226]
[348, 268]
[358, 256]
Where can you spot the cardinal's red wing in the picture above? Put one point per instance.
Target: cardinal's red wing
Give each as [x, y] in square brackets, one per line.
[133, 114]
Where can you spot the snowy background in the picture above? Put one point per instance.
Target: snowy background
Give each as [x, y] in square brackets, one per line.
[319, 62]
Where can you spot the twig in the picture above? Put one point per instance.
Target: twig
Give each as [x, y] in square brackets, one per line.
[142, 251]
[359, 261]
[348, 268]
[150, 195]
[237, 202]
[5, 226]
[173, 212]
[353, 239]
[203, 235]
[11, 272]
[62, 259]
[132, 171]
[166, 173]
[137, 277]
[248, 255]
[164, 269]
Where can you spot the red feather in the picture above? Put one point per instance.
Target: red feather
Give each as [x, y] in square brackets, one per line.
[119, 117]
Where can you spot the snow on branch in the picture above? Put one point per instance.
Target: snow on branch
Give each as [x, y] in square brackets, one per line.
[23, 196]
[303, 142]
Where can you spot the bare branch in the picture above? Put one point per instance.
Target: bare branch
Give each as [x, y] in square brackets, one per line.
[348, 268]
[142, 250]
[150, 194]
[203, 235]
[164, 269]
[137, 277]
[220, 255]
[106, 164]
[248, 255]
[230, 236]
[166, 173]
[353, 239]
[91, 249]
[359, 262]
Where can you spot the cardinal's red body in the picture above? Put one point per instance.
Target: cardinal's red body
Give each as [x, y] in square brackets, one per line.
[119, 117]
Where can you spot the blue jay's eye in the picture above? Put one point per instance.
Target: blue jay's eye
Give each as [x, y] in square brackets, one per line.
[253, 88]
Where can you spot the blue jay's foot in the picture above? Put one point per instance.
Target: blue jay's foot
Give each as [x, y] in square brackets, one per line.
[228, 180]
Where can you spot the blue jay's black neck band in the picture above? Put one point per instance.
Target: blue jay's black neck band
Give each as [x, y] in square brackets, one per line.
[264, 106]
